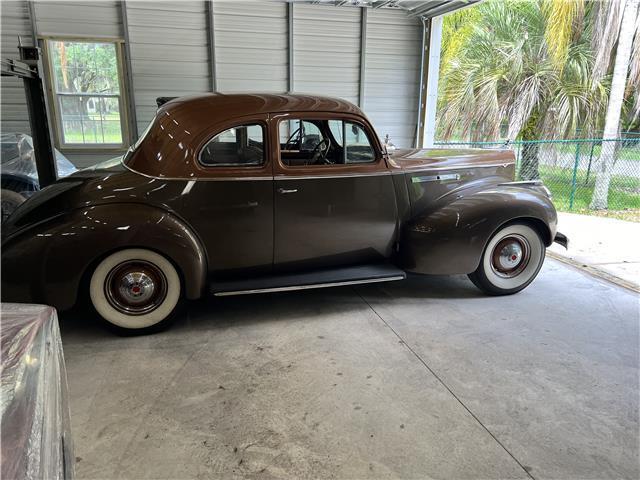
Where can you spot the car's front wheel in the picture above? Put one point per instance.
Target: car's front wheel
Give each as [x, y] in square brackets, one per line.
[511, 260]
[135, 290]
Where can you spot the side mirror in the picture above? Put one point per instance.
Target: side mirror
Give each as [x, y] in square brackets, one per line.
[387, 147]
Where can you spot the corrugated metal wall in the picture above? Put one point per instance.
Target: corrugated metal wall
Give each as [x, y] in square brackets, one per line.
[252, 49]
[89, 18]
[392, 74]
[169, 52]
[171, 56]
[15, 21]
[326, 46]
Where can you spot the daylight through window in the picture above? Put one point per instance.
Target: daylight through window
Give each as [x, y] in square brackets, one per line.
[87, 93]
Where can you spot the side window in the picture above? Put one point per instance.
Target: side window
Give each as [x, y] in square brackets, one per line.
[358, 147]
[238, 146]
[324, 142]
[336, 130]
[302, 142]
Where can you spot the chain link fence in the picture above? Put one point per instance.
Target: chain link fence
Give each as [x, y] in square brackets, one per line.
[570, 169]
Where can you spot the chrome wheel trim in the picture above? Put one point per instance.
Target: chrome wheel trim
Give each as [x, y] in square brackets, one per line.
[527, 271]
[135, 287]
[510, 256]
[127, 321]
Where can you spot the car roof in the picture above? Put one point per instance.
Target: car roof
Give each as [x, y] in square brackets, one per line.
[241, 104]
[170, 145]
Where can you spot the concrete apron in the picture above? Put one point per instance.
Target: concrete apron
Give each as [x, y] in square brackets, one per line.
[605, 247]
[418, 379]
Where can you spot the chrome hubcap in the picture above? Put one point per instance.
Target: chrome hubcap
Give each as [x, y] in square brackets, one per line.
[136, 287]
[510, 256]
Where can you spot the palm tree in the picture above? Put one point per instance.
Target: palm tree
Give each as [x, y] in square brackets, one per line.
[524, 67]
[624, 31]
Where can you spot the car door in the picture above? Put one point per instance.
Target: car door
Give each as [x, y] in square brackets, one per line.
[334, 211]
[231, 207]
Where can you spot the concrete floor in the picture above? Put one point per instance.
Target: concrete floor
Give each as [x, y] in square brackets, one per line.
[418, 379]
[606, 245]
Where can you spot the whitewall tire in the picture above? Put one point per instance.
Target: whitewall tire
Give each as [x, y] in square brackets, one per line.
[511, 260]
[135, 290]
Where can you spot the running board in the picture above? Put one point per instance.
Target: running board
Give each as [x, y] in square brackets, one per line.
[316, 279]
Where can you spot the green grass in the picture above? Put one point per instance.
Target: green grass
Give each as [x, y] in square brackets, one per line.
[624, 192]
[629, 152]
[93, 132]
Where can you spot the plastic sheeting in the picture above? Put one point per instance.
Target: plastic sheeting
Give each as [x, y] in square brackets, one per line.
[17, 157]
[36, 435]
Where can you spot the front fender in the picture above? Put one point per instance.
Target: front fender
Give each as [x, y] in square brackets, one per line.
[450, 237]
[46, 263]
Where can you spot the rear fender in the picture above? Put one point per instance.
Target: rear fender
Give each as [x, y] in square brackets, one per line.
[451, 236]
[47, 262]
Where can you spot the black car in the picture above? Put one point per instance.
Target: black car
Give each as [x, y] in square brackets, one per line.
[18, 175]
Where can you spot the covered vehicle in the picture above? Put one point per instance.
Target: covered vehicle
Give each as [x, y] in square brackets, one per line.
[18, 174]
[249, 193]
[35, 429]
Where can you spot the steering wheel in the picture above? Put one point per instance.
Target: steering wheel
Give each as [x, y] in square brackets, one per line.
[292, 139]
[319, 153]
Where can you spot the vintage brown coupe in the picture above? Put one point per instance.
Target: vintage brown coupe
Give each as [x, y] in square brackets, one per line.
[236, 194]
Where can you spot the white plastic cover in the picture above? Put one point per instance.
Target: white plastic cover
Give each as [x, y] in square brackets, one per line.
[17, 157]
[36, 435]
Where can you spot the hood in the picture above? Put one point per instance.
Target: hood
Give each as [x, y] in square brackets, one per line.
[444, 158]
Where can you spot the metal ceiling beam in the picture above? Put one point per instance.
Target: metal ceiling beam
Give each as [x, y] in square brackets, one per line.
[427, 8]
[445, 7]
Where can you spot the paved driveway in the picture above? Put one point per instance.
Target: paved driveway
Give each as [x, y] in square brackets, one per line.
[420, 379]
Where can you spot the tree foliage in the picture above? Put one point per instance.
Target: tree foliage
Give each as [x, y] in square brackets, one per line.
[530, 69]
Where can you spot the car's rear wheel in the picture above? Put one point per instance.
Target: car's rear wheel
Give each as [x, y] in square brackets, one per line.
[511, 260]
[135, 290]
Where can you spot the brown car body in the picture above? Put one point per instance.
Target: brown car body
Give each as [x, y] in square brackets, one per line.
[424, 211]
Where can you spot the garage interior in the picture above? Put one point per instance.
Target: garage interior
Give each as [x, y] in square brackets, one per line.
[425, 378]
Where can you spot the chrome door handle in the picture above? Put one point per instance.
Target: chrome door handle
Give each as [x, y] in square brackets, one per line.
[284, 190]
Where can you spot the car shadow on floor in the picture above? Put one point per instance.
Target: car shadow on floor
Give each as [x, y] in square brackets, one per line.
[222, 312]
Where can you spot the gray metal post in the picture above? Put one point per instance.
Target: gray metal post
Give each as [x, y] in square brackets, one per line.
[212, 45]
[363, 55]
[38, 120]
[433, 73]
[131, 111]
[422, 86]
[290, 34]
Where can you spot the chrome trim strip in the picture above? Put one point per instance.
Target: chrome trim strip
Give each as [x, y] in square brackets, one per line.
[459, 167]
[533, 183]
[199, 179]
[308, 287]
[312, 177]
[344, 175]
[435, 178]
